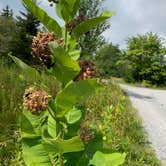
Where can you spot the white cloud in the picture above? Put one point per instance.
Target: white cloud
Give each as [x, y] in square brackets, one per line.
[136, 17]
[132, 17]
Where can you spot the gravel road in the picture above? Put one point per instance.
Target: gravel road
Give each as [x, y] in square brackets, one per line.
[151, 105]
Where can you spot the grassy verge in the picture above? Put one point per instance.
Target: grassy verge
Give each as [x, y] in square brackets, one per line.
[112, 113]
[108, 112]
[12, 85]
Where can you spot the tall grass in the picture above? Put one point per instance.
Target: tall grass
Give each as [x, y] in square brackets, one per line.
[108, 111]
[111, 112]
[12, 85]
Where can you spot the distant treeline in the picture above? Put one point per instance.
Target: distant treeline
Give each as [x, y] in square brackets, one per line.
[16, 34]
[143, 61]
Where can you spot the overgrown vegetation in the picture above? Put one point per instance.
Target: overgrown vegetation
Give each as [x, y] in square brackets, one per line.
[113, 114]
[57, 125]
[12, 85]
[46, 121]
[109, 112]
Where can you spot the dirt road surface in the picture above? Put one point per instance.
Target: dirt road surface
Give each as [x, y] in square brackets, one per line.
[151, 105]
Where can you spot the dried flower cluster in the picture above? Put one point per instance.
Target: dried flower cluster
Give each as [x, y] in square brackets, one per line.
[35, 101]
[88, 70]
[41, 49]
[81, 18]
[85, 134]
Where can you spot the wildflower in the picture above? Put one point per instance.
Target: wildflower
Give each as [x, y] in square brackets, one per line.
[41, 49]
[36, 101]
[88, 70]
[86, 134]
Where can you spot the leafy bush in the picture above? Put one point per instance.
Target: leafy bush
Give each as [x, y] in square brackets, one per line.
[110, 112]
[106, 60]
[144, 60]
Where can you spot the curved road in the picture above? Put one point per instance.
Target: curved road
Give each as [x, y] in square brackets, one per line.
[151, 105]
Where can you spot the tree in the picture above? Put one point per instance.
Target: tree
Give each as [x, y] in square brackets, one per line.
[145, 58]
[7, 30]
[27, 27]
[92, 40]
[106, 59]
[7, 12]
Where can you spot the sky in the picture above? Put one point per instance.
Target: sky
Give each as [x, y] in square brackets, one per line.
[132, 17]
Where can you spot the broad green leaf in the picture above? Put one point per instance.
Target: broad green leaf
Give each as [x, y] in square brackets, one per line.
[89, 24]
[73, 115]
[51, 126]
[83, 158]
[67, 9]
[27, 69]
[62, 10]
[51, 104]
[65, 68]
[72, 48]
[61, 146]
[58, 9]
[30, 125]
[75, 54]
[73, 6]
[113, 159]
[47, 21]
[34, 153]
[73, 94]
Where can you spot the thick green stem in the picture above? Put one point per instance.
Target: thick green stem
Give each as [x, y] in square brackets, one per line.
[60, 160]
[65, 35]
[51, 159]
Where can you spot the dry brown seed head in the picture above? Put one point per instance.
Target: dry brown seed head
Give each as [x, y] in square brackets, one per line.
[36, 101]
[86, 134]
[87, 70]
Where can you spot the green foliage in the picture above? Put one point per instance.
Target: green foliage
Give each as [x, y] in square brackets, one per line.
[7, 12]
[47, 21]
[12, 85]
[73, 93]
[85, 26]
[106, 60]
[25, 67]
[73, 115]
[145, 56]
[7, 30]
[34, 153]
[44, 135]
[111, 113]
[93, 39]
[51, 124]
[16, 35]
[113, 159]
[124, 131]
[61, 146]
[67, 9]
[65, 68]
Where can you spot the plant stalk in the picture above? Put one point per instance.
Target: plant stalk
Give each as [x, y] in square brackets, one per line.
[60, 160]
[65, 36]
